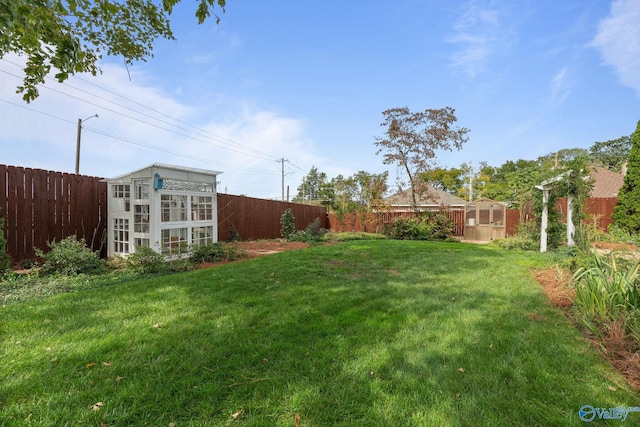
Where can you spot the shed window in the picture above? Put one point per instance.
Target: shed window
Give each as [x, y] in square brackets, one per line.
[484, 212]
[471, 215]
[138, 243]
[173, 208]
[174, 241]
[141, 218]
[202, 235]
[122, 192]
[121, 235]
[201, 208]
[498, 215]
[141, 189]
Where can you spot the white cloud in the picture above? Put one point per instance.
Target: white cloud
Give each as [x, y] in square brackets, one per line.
[480, 33]
[243, 142]
[618, 41]
[560, 86]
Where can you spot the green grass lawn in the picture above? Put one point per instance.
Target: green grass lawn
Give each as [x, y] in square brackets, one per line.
[364, 333]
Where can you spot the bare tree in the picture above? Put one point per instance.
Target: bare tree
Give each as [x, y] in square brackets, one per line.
[412, 139]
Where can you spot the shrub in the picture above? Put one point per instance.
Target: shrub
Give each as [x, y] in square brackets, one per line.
[69, 257]
[287, 224]
[426, 226]
[527, 239]
[215, 252]
[5, 260]
[615, 234]
[408, 229]
[315, 229]
[145, 260]
[441, 225]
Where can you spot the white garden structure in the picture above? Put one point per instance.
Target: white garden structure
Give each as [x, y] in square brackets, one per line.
[546, 187]
[163, 207]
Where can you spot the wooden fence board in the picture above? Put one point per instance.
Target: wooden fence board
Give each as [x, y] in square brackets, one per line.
[41, 206]
[251, 218]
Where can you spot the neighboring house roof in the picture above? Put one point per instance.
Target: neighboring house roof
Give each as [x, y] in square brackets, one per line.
[431, 198]
[606, 183]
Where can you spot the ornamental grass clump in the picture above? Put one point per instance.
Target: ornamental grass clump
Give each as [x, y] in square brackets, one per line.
[608, 293]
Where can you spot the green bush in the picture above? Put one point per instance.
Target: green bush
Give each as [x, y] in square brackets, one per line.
[428, 225]
[441, 225]
[69, 257]
[313, 233]
[287, 224]
[527, 239]
[5, 260]
[315, 229]
[409, 229]
[215, 252]
[616, 234]
[145, 260]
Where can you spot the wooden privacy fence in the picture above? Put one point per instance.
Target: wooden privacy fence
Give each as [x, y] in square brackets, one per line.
[374, 222]
[250, 218]
[40, 206]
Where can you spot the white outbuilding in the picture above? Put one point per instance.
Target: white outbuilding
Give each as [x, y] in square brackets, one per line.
[164, 207]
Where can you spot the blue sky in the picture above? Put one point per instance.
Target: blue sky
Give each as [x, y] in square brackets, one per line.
[308, 81]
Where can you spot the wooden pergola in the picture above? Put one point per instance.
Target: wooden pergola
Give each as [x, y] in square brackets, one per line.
[546, 187]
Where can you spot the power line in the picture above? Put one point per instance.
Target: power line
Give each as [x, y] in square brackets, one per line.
[202, 132]
[172, 152]
[139, 143]
[212, 135]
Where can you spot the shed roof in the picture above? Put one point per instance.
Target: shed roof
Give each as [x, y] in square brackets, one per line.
[168, 168]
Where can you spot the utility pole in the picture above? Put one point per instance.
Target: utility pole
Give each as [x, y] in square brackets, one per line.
[471, 181]
[282, 160]
[80, 121]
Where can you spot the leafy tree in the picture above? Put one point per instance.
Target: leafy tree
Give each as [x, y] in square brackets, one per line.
[514, 183]
[412, 139]
[627, 212]
[70, 36]
[561, 158]
[370, 188]
[449, 180]
[611, 154]
[315, 188]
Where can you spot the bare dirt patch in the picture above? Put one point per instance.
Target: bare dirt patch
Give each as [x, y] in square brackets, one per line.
[265, 247]
[258, 248]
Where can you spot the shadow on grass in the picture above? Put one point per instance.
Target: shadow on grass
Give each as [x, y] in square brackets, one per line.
[366, 333]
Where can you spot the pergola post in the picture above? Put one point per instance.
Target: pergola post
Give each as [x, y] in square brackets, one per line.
[571, 228]
[545, 219]
[546, 187]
